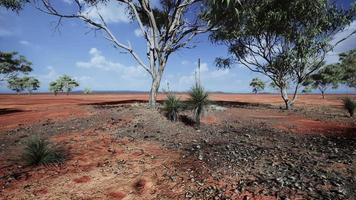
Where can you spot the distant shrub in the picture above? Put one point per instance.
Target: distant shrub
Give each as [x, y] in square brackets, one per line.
[349, 105]
[198, 100]
[87, 90]
[39, 151]
[172, 106]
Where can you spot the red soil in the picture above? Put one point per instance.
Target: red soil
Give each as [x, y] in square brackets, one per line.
[18, 110]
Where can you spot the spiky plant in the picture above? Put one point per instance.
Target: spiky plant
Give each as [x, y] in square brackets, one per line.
[349, 105]
[198, 100]
[40, 151]
[172, 106]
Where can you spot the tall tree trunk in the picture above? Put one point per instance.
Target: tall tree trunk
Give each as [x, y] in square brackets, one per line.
[285, 98]
[295, 94]
[154, 90]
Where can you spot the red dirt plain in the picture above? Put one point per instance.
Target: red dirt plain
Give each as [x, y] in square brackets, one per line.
[101, 166]
[21, 110]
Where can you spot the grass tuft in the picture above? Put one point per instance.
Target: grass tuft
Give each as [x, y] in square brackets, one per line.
[39, 151]
[349, 105]
[172, 106]
[198, 100]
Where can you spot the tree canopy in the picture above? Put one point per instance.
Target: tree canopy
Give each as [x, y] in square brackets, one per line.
[257, 85]
[11, 64]
[19, 84]
[284, 40]
[328, 77]
[167, 27]
[64, 83]
[14, 5]
[348, 68]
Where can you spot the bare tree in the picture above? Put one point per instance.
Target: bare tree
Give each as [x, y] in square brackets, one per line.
[166, 28]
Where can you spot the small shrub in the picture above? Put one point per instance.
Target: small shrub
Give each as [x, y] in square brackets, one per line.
[172, 106]
[198, 100]
[349, 105]
[87, 90]
[39, 151]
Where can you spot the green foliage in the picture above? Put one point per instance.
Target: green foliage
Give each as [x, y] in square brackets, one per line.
[172, 106]
[55, 87]
[25, 83]
[87, 90]
[31, 84]
[14, 5]
[198, 100]
[349, 105]
[325, 78]
[15, 84]
[348, 68]
[11, 64]
[257, 85]
[307, 89]
[63, 84]
[39, 151]
[284, 40]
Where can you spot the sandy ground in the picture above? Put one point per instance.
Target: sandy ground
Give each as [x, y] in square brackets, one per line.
[118, 149]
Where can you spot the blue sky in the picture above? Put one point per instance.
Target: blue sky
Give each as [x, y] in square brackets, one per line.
[93, 61]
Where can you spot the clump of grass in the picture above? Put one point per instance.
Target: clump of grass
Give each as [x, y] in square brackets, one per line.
[172, 106]
[349, 105]
[39, 151]
[198, 100]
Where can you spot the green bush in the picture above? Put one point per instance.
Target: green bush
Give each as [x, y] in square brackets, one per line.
[40, 151]
[172, 106]
[349, 105]
[198, 100]
[87, 90]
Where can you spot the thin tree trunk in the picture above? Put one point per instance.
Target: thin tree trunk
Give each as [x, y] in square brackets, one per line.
[295, 94]
[322, 94]
[154, 90]
[284, 95]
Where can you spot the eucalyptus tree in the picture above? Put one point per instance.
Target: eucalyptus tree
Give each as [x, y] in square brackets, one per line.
[30, 84]
[16, 84]
[55, 87]
[348, 68]
[64, 83]
[284, 40]
[19, 84]
[327, 77]
[167, 27]
[257, 85]
[11, 64]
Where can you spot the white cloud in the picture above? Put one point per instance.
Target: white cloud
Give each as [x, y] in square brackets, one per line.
[186, 62]
[98, 61]
[112, 12]
[51, 75]
[138, 32]
[4, 32]
[211, 79]
[24, 42]
[68, 1]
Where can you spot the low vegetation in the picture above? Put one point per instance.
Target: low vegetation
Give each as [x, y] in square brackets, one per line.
[349, 105]
[87, 90]
[198, 100]
[172, 106]
[64, 83]
[18, 84]
[39, 151]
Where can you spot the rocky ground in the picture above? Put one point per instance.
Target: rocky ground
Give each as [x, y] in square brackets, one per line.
[128, 151]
